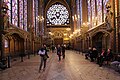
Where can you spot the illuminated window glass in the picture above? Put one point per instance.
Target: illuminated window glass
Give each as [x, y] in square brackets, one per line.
[116, 8]
[80, 12]
[57, 14]
[99, 11]
[42, 31]
[104, 6]
[89, 12]
[9, 7]
[15, 12]
[25, 15]
[21, 13]
[93, 12]
[36, 14]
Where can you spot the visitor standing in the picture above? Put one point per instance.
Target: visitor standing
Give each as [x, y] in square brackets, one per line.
[59, 52]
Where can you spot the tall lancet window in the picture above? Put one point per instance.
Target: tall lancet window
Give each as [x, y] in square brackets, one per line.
[15, 12]
[25, 15]
[99, 11]
[89, 13]
[36, 20]
[21, 14]
[80, 12]
[93, 13]
[33, 15]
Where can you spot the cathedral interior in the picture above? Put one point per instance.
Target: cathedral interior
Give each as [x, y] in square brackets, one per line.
[25, 25]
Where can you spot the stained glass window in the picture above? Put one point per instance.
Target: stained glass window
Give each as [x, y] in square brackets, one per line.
[116, 8]
[80, 11]
[104, 6]
[36, 14]
[116, 12]
[57, 14]
[99, 11]
[93, 12]
[25, 15]
[21, 14]
[15, 12]
[8, 2]
[89, 12]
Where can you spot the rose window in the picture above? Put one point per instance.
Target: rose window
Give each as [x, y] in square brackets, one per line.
[57, 14]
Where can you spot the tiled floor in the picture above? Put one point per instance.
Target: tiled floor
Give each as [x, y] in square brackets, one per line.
[73, 67]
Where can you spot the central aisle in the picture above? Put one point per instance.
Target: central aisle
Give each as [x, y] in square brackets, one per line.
[75, 67]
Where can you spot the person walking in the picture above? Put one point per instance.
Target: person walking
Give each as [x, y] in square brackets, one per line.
[63, 51]
[43, 53]
[59, 52]
[53, 48]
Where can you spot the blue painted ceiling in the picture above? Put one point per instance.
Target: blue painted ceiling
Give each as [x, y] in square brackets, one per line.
[68, 1]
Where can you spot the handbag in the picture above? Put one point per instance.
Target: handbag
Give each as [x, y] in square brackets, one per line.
[45, 57]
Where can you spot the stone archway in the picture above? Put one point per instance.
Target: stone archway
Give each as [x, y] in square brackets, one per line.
[97, 41]
[101, 40]
[15, 45]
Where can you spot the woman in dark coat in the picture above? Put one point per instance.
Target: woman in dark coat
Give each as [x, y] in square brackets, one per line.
[95, 53]
[59, 52]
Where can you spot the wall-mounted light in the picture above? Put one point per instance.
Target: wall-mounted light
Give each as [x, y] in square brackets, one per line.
[40, 18]
[65, 34]
[68, 29]
[73, 18]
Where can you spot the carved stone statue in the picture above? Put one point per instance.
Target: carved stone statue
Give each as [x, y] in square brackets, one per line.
[5, 15]
[109, 15]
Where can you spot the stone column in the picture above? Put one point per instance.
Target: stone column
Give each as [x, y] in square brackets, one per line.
[1, 31]
[117, 34]
[84, 11]
[30, 23]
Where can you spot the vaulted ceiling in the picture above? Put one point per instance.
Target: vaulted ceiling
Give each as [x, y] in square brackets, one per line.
[69, 2]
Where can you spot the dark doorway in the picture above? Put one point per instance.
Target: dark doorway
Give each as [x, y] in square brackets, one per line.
[58, 41]
[97, 41]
